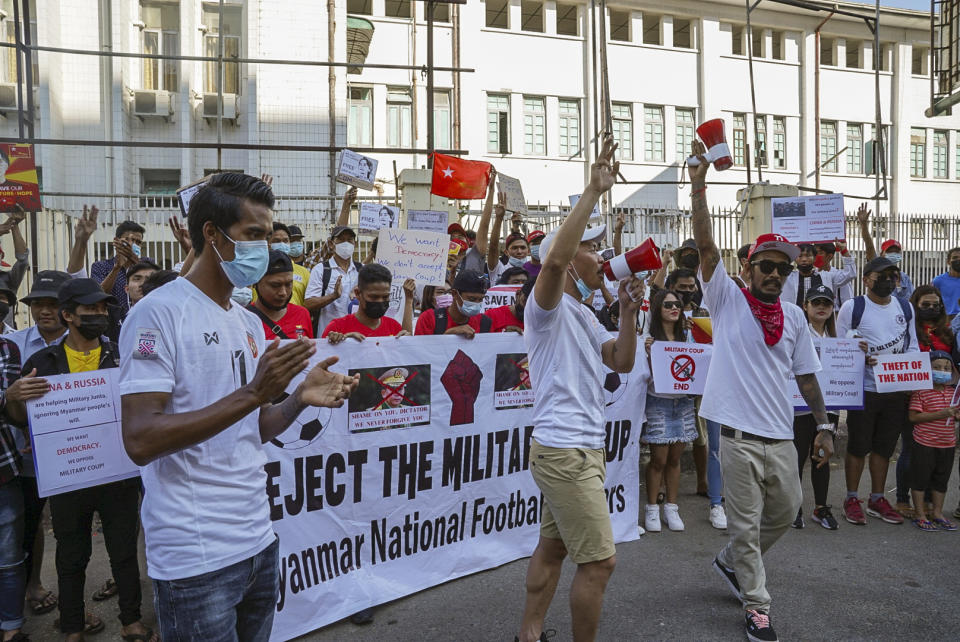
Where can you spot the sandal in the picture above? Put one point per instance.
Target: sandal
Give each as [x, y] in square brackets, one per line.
[925, 525]
[945, 524]
[139, 637]
[108, 590]
[91, 624]
[43, 605]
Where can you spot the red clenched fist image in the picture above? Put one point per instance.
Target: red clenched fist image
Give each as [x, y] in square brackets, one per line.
[461, 380]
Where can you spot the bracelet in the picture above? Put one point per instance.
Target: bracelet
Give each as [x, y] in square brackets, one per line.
[830, 428]
[699, 191]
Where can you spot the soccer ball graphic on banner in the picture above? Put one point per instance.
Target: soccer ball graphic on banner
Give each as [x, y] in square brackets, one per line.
[305, 429]
[614, 386]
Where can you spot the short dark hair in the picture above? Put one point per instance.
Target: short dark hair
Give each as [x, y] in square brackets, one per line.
[527, 287]
[145, 264]
[827, 248]
[509, 273]
[373, 273]
[218, 202]
[806, 247]
[952, 250]
[676, 275]
[277, 226]
[471, 234]
[155, 280]
[744, 252]
[129, 226]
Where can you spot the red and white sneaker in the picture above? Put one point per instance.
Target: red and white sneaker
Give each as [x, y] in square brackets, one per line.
[883, 510]
[852, 511]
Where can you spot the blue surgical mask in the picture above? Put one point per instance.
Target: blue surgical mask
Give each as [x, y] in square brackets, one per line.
[515, 262]
[249, 264]
[942, 378]
[243, 296]
[281, 247]
[296, 248]
[471, 308]
[584, 289]
[535, 252]
[135, 248]
[894, 257]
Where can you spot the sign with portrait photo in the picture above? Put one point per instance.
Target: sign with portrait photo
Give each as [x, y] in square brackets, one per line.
[357, 170]
[19, 184]
[809, 219]
[374, 216]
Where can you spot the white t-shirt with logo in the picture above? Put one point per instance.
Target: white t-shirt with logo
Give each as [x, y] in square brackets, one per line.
[567, 373]
[746, 385]
[204, 507]
[338, 307]
[883, 327]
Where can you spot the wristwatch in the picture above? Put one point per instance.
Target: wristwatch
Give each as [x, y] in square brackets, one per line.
[830, 428]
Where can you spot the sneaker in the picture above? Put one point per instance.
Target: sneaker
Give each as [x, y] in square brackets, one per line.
[883, 510]
[361, 618]
[718, 517]
[671, 513]
[545, 635]
[641, 530]
[759, 629]
[798, 522]
[651, 520]
[852, 511]
[728, 575]
[824, 517]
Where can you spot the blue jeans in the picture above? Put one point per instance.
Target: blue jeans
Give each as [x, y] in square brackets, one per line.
[714, 472]
[233, 604]
[12, 578]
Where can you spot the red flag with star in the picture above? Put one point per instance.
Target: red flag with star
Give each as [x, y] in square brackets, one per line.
[457, 178]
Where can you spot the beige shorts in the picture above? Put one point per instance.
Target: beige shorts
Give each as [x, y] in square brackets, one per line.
[575, 504]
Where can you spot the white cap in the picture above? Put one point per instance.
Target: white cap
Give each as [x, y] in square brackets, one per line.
[589, 234]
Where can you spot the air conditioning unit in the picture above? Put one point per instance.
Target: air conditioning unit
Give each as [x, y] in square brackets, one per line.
[152, 102]
[209, 106]
[8, 96]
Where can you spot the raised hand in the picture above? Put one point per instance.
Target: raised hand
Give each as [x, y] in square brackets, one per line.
[500, 209]
[338, 288]
[350, 196]
[180, 233]
[698, 173]
[620, 224]
[326, 389]
[863, 214]
[87, 223]
[409, 288]
[841, 245]
[603, 173]
[267, 178]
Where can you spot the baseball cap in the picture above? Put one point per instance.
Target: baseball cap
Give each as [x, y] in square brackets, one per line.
[535, 236]
[879, 264]
[340, 229]
[890, 243]
[294, 231]
[513, 238]
[84, 292]
[278, 262]
[777, 243]
[145, 264]
[589, 234]
[470, 281]
[689, 244]
[46, 285]
[820, 292]
[456, 228]
[940, 354]
[457, 246]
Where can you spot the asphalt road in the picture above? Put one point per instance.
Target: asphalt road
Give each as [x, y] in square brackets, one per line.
[874, 582]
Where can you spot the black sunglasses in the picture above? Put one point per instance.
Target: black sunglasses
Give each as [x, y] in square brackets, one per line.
[767, 267]
[929, 306]
[670, 305]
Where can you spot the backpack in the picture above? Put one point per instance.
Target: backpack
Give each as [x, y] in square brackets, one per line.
[274, 328]
[443, 320]
[326, 275]
[859, 304]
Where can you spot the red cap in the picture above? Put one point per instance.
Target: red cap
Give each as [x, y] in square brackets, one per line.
[888, 244]
[775, 242]
[456, 228]
[534, 236]
[513, 238]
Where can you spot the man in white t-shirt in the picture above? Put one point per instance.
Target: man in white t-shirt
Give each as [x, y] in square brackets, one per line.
[197, 382]
[758, 341]
[332, 282]
[567, 349]
[808, 276]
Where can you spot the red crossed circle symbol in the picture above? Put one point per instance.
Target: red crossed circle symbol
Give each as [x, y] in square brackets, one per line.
[682, 367]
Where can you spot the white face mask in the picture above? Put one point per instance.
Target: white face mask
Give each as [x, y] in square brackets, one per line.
[344, 250]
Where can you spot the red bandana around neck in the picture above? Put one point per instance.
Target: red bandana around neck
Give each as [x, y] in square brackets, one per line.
[770, 316]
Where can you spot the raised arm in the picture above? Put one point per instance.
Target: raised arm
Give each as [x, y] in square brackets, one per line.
[82, 231]
[483, 229]
[863, 218]
[618, 234]
[344, 217]
[702, 226]
[493, 247]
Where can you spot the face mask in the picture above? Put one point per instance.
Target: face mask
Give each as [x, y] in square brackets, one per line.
[686, 297]
[443, 301]
[882, 288]
[690, 261]
[515, 262]
[344, 250]
[281, 247]
[135, 249]
[249, 264]
[928, 314]
[894, 257]
[4, 310]
[955, 266]
[376, 309]
[272, 308]
[471, 308]
[296, 248]
[242, 296]
[804, 269]
[535, 252]
[582, 287]
[820, 261]
[92, 326]
[942, 378]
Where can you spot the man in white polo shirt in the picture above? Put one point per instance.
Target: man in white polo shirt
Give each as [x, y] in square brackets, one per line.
[758, 342]
[567, 349]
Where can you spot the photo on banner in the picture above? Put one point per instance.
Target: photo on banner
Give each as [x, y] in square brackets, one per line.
[810, 219]
[393, 397]
[512, 387]
[428, 220]
[376, 216]
[357, 170]
[19, 184]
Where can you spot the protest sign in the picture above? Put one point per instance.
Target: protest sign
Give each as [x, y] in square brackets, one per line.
[429, 220]
[357, 170]
[810, 219]
[910, 371]
[841, 376]
[510, 187]
[374, 216]
[595, 214]
[75, 433]
[364, 518]
[19, 173]
[186, 193]
[680, 368]
[499, 295]
[414, 254]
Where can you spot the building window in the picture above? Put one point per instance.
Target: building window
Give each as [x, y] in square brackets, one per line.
[620, 25]
[160, 35]
[757, 42]
[940, 169]
[918, 149]
[682, 33]
[854, 149]
[956, 162]
[360, 117]
[736, 40]
[158, 187]
[568, 20]
[498, 123]
[360, 7]
[569, 127]
[441, 119]
[652, 133]
[231, 28]
[534, 126]
[828, 146]
[739, 139]
[686, 121]
[396, 8]
[399, 117]
[623, 129]
[776, 44]
[9, 55]
[779, 142]
[854, 49]
[885, 56]
[761, 133]
[498, 13]
[920, 56]
[531, 15]
[826, 52]
[441, 12]
[651, 30]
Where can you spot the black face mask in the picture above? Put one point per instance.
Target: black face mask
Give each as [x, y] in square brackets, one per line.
[92, 326]
[690, 260]
[4, 310]
[955, 266]
[805, 269]
[882, 287]
[375, 309]
[928, 314]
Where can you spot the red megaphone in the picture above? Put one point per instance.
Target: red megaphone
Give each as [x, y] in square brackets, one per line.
[718, 153]
[645, 256]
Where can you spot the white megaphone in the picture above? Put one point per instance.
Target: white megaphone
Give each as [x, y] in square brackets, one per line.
[718, 152]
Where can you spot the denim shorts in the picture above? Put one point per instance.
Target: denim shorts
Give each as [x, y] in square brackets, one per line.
[670, 421]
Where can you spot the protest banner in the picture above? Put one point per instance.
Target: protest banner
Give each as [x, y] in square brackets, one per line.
[414, 254]
[595, 214]
[374, 216]
[356, 169]
[75, 433]
[186, 193]
[841, 376]
[364, 518]
[19, 173]
[680, 368]
[429, 220]
[900, 372]
[510, 187]
[499, 295]
[810, 219]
